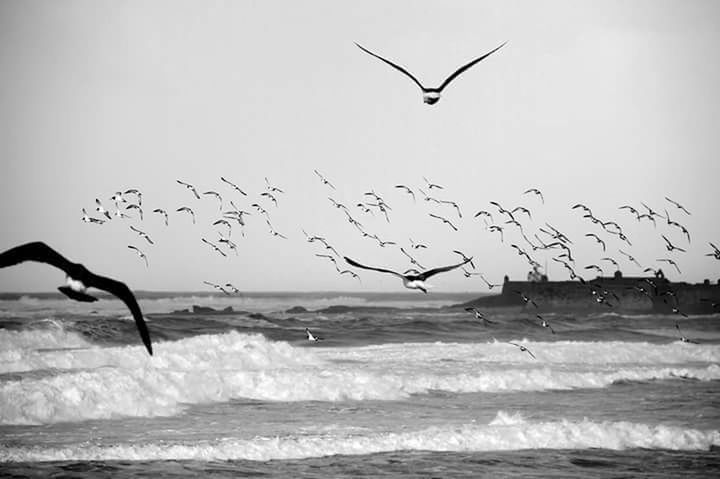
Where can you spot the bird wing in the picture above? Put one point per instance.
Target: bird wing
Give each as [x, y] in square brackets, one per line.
[466, 66]
[352, 262]
[35, 251]
[431, 272]
[39, 251]
[397, 67]
[123, 293]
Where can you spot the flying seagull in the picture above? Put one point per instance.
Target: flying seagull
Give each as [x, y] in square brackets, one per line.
[136, 207]
[523, 349]
[669, 246]
[407, 190]
[311, 336]
[537, 192]
[271, 188]
[678, 205]
[142, 234]
[324, 180]
[480, 316]
[715, 253]
[464, 257]
[545, 324]
[188, 210]
[233, 185]
[413, 279]
[354, 275]
[630, 257]
[163, 213]
[270, 196]
[415, 245]
[526, 299]
[431, 95]
[79, 278]
[522, 209]
[412, 260]
[431, 185]
[444, 220]
[216, 195]
[218, 287]
[488, 283]
[494, 228]
[667, 260]
[468, 274]
[140, 254]
[214, 247]
[189, 187]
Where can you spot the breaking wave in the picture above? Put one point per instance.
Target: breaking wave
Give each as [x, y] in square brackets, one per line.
[504, 433]
[114, 382]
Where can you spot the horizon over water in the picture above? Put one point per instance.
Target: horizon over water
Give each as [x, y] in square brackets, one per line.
[416, 391]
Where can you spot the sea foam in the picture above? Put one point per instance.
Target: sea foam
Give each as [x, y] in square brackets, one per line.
[107, 383]
[506, 432]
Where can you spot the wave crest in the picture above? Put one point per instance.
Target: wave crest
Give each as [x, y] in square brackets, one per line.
[506, 432]
[102, 383]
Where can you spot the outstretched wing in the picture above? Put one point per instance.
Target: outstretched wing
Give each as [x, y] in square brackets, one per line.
[465, 67]
[39, 251]
[352, 262]
[397, 67]
[35, 251]
[431, 272]
[123, 293]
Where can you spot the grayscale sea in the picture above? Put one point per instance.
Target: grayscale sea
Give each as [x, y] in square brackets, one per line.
[400, 387]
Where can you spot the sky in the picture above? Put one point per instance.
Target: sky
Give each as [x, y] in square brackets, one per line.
[603, 103]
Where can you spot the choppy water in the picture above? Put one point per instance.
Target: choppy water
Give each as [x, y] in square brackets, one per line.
[418, 391]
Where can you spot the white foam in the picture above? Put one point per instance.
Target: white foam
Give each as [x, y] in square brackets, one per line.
[556, 352]
[51, 336]
[506, 432]
[101, 383]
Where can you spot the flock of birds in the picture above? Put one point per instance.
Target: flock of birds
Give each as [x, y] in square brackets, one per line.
[497, 219]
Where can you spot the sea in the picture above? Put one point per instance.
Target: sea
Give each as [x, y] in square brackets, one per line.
[401, 386]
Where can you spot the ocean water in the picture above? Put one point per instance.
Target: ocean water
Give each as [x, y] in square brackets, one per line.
[399, 387]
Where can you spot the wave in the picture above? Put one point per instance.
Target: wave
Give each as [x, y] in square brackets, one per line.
[504, 433]
[46, 334]
[152, 303]
[106, 383]
[558, 352]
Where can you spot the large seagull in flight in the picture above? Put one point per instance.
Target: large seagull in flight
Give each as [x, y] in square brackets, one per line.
[431, 95]
[412, 278]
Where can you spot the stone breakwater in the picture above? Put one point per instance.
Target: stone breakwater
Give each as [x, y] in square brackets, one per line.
[621, 294]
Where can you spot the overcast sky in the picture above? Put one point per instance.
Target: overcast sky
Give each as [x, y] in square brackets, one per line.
[604, 103]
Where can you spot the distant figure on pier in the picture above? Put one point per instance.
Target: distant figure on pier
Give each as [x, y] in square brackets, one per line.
[535, 276]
